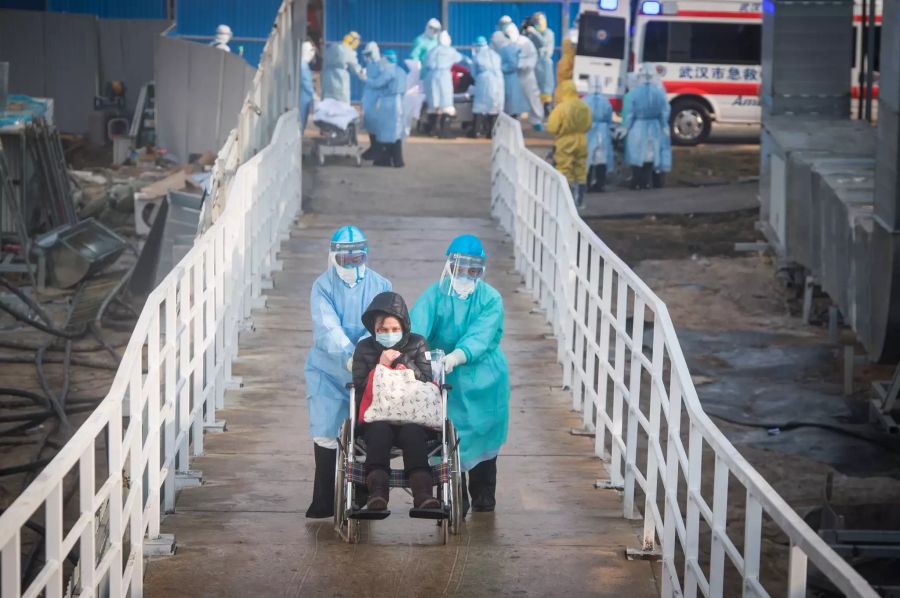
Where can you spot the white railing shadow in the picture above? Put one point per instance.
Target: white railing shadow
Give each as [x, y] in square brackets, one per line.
[628, 377]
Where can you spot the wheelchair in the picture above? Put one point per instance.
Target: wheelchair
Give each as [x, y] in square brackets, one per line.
[350, 473]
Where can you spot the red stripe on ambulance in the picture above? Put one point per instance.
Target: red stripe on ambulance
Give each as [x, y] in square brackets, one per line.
[712, 88]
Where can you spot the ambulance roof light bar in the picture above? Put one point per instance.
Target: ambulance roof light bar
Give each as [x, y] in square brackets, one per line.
[608, 4]
[659, 7]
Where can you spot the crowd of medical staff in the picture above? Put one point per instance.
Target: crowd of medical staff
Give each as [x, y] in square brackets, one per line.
[460, 314]
[512, 72]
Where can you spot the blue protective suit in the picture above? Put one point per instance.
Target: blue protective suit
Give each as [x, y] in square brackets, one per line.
[514, 100]
[600, 147]
[389, 87]
[439, 81]
[544, 41]
[647, 122]
[488, 72]
[336, 313]
[421, 46]
[306, 93]
[478, 403]
[370, 95]
[339, 61]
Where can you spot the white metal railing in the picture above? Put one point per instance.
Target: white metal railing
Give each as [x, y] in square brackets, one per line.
[623, 363]
[169, 384]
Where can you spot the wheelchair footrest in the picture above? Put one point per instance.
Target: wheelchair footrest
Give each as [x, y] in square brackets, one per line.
[368, 515]
[438, 513]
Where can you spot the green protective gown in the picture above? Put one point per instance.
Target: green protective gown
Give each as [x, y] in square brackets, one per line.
[478, 403]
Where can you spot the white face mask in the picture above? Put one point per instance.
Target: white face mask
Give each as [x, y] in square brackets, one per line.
[351, 276]
[463, 287]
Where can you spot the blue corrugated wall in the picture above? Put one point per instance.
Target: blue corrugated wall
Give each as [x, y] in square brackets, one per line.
[468, 20]
[107, 9]
[246, 19]
[391, 23]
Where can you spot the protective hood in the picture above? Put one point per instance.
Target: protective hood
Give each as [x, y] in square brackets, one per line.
[512, 32]
[567, 91]
[432, 28]
[390, 304]
[503, 22]
[539, 21]
[307, 52]
[351, 40]
[371, 52]
[498, 40]
[444, 39]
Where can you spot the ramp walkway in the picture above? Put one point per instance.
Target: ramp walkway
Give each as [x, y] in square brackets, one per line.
[244, 533]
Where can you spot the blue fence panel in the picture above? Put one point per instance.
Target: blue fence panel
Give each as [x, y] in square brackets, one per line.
[468, 20]
[23, 4]
[392, 23]
[112, 9]
[250, 22]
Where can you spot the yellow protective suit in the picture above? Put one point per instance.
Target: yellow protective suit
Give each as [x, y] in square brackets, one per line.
[570, 121]
[565, 69]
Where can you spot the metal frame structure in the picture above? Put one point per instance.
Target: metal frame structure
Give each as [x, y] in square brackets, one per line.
[176, 367]
[624, 366]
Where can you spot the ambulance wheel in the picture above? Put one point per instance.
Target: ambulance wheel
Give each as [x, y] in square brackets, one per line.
[690, 122]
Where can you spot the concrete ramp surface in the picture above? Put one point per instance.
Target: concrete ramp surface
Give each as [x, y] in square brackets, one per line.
[243, 532]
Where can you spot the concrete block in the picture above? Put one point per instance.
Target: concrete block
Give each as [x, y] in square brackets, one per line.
[164, 545]
[191, 478]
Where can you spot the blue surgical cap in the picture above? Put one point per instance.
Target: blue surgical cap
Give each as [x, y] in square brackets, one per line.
[390, 56]
[480, 41]
[467, 245]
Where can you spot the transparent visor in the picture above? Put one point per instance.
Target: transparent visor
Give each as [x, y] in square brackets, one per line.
[350, 255]
[461, 275]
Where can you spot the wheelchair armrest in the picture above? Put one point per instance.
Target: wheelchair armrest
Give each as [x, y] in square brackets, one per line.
[446, 387]
[348, 386]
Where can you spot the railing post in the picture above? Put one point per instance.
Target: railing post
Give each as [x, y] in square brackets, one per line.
[752, 540]
[591, 418]
[797, 573]
[209, 332]
[11, 566]
[720, 520]
[87, 548]
[171, 401]
[197, 359]
[153, 426]
[53, 537]
[184, 367]
[672, 511]
[615, 471]
[692, 522]
[116, 527]
[134, 501]
[634, 407]
[656, 379]
[604, 377]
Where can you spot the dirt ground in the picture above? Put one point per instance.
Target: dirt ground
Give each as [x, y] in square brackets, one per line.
[759, 368]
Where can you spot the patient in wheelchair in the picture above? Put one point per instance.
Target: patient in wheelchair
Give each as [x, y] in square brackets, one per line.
[392, 345]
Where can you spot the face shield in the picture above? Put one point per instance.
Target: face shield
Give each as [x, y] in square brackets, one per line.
[461, 275]
[349, 261]
[433, 28]
[540, 21]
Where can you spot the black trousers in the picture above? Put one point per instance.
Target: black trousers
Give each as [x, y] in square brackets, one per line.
[410, 438]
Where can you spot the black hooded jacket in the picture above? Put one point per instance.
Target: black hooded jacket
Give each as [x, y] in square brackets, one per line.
[412, 347]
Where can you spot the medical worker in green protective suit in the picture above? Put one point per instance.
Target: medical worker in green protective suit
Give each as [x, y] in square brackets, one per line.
[463, 315]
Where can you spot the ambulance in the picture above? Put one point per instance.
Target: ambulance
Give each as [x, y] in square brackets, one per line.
[708, 55]
[604, 40]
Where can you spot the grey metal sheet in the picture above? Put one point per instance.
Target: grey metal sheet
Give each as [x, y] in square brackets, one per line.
[172, 74]
[126, 53]
[238, 78]
[203, 98]
[889, 75]
[887, 181]
[72, 52]
[21, 44]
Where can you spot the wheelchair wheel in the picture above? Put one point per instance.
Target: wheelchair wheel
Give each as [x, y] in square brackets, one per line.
[455, 481]
[347, 529]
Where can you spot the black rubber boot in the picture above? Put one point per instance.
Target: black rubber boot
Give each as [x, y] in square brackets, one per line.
[397, 154]
[420, 484]
[384, 156]
[491, 122]
[635, 178]
[372, 152]
[475, 129]
[322, 505]
[659, 179]
[445, 127]
[599, 177]
[378, 484]
[431, 125]
[647, 175]
[548, 107]
[482, 486]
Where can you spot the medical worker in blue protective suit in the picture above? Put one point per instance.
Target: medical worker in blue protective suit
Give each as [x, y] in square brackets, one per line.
[488, 100]
[439, 83]
[307, 92]
[544, 41]
[389, 86]
[601, 158]
[426, 40]
[648, 149]
[527, 96]
[372, 62]
[463, 315]
[340, 59]
[337, 301]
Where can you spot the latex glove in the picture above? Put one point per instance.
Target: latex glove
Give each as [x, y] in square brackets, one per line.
[350, 364]
[620, 133]
[388, 356]
[454, 359]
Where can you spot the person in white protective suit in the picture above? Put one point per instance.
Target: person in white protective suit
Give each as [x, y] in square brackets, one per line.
[527, 60]
[223, 36]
